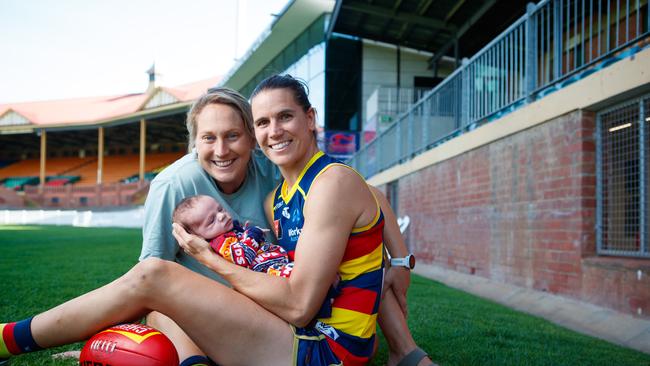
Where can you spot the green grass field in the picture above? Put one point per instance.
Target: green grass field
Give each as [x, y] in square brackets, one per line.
[42, 266]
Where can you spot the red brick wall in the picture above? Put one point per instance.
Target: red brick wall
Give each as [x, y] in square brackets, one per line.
[9, 198]
[522, 211]
[74, 196]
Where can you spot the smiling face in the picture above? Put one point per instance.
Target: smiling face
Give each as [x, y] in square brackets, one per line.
[223, 145]
[284, 131]
[206, 218]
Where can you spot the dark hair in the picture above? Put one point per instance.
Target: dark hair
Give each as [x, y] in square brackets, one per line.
[297, 86]
[183, 206]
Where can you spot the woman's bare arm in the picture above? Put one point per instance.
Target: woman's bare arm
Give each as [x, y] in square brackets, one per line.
[398, 279]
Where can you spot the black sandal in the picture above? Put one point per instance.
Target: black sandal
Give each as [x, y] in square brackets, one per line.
[413, 357]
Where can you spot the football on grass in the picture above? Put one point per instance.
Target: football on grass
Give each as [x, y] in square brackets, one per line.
[129, 345]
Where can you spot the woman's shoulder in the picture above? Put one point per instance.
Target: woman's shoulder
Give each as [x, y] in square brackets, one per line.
[338, 173]
[333, 169]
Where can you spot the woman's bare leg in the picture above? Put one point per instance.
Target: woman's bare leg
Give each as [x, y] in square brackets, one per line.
[393, 326]
[184, 345]
[229, 327]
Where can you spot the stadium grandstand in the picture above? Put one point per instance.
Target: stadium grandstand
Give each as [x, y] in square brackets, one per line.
[93, 151]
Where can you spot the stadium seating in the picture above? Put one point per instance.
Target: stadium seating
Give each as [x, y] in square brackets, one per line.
[4, 163]
[72, 182]
[61, 180]
[19, 183]
[83, 171]
[118, 168]
[54, 166]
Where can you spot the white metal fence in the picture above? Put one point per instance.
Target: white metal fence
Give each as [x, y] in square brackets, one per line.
[557, 42]
[133, 217]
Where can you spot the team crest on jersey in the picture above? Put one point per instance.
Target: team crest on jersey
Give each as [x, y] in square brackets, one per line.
[277, 227]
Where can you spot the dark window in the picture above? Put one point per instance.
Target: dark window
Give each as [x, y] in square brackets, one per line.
[622, 217]
[343, 84]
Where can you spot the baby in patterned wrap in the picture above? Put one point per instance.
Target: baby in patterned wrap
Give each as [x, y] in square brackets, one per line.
[245, 246]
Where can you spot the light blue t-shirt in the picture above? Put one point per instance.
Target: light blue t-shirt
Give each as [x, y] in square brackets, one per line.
[184, 178]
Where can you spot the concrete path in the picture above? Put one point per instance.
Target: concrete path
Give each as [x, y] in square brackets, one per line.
[607, 324]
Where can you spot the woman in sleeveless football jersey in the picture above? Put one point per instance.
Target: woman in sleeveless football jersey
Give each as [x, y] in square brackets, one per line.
[328, 220]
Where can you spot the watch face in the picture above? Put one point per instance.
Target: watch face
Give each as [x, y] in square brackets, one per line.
[411, 259]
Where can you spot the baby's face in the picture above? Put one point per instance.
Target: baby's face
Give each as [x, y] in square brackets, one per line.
[208, 219]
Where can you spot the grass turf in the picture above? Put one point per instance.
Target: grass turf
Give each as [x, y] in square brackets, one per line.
[42, 266]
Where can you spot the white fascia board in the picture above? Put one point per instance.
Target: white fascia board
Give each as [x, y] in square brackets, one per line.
[298, 16]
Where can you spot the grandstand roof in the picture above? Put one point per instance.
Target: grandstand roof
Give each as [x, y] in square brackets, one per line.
[99, 110]
[433, 26]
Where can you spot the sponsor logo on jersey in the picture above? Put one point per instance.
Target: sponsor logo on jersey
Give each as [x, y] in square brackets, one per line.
[327, 330]
[285, 212]
[295, 232]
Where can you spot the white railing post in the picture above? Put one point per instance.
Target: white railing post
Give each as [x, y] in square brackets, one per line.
[531, 51]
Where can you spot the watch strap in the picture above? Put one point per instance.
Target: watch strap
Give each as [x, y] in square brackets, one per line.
[401, 262]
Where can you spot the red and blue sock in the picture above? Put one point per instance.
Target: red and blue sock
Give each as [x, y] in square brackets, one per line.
[16, 338]
[197, 361]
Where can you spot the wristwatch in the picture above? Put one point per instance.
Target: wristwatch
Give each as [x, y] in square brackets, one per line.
[407, 262]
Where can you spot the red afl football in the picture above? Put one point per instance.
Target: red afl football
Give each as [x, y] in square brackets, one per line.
[129, 345]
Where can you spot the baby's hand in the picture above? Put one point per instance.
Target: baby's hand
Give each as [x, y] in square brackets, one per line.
[264, 230]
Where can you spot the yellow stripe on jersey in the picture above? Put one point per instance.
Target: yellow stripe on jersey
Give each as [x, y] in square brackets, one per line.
[375, 219]
[352, 322]
[331, 165]
[357, 266]
[372, 223]
[4, 352]
[294, 356]
[286, 196]
[304, 336]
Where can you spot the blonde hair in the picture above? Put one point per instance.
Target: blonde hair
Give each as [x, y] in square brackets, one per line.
[219, 95]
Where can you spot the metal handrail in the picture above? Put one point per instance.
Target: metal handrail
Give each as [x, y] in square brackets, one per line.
[546, 49]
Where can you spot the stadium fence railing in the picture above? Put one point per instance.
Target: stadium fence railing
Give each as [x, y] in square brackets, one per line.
[556, 43]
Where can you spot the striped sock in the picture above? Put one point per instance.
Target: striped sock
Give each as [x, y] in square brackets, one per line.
[17, 338]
